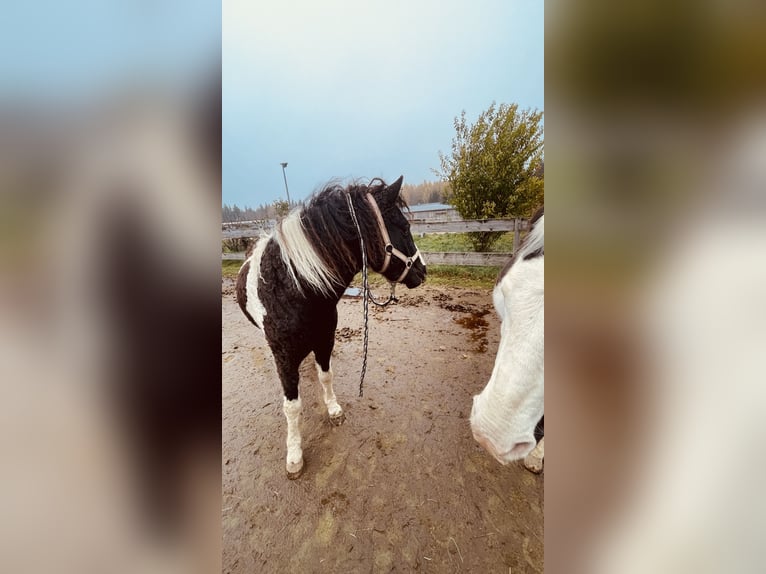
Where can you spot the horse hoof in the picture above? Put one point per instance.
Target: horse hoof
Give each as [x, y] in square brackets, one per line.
[337, 420]
[534, 465]
[294, 470]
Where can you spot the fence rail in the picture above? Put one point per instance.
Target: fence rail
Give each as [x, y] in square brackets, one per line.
[470, 258]
[466, 225]
[245, 229]
[242, 229]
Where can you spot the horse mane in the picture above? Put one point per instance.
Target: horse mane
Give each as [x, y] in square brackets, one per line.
[533, 244]
[319, 242]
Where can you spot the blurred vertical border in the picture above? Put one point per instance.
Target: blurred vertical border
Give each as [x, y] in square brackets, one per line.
[110, 195]
[655, 182]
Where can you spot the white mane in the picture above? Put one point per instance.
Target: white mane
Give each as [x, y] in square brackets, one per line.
[300, 257]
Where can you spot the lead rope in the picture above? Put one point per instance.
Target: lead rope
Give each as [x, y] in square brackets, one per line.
[364, 291]
[392, 298]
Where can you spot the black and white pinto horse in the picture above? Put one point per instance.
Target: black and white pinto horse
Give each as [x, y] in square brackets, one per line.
[291, 284]
[507, 416]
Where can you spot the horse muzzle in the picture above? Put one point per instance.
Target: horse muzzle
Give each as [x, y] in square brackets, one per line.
[501, 449]
[416, 276]
[414, 272]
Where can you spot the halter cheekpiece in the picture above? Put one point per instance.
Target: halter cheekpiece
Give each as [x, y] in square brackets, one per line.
[389, 247]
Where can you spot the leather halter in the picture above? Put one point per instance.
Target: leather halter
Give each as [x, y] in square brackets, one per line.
[389, 247]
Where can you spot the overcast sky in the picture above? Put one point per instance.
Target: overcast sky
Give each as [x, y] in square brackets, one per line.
[342, 89]
[76, 50]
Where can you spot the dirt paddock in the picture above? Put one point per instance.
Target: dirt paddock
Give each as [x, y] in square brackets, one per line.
[401, 486]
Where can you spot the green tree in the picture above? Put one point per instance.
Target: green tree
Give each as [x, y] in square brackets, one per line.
[495, 168]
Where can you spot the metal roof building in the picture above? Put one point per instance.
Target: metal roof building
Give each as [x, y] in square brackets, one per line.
[427, 211]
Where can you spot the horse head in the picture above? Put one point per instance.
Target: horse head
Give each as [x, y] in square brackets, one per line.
[400, 260]
[506, 412]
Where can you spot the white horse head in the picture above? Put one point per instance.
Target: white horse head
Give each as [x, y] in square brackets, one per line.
[505, 413]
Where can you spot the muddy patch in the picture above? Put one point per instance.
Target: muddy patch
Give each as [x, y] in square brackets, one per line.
[477, 326]
[401, 486]
[344, 334]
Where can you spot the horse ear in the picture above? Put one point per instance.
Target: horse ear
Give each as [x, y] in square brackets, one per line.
[392, 191]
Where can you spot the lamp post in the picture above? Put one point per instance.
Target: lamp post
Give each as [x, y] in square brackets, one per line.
[284, 165]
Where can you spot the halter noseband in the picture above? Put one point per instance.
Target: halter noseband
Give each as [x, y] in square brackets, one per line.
[389, 247]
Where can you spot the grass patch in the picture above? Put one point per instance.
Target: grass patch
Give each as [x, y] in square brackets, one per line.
[443, 275]
[230, 267]
[441, 242]
[462, 276]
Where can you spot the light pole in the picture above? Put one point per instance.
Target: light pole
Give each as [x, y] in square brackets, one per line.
[284, 165]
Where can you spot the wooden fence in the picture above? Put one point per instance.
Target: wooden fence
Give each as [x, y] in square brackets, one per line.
[418, 227]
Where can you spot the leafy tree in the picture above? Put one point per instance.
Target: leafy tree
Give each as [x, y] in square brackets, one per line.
[495, 168]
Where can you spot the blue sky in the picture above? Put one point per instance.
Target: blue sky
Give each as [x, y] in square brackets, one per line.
[74, 50]
[343, 89]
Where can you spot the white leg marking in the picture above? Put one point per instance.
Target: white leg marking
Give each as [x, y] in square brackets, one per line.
[292, 410]
[333, 408]
[534, 460]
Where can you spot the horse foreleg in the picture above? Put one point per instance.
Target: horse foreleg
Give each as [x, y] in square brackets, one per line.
[534, 460]
[331, 402]
[323, 359]
[292, 410]
[287, 363]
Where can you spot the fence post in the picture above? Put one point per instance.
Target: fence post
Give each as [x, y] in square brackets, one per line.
[516, 235]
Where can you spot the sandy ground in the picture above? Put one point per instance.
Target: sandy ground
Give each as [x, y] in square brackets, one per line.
[401, 486]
